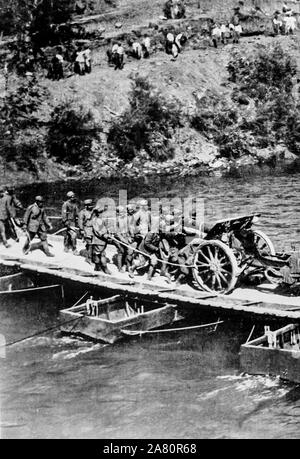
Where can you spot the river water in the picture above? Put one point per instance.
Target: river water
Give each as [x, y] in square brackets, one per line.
[168, 386]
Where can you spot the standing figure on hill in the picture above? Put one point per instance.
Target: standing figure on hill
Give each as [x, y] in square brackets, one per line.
[168, 8]
[86, 228]
[277, 23]
[290, 23]
[170, 41]
[79, 66]
[112, 53]
[174, 9]
[216, 35]
[60, 64]
[224, 33]
[100, 240]
[87, 60]
[5, 215]
[235, 26]
[136, 49]
[36, 223]
[146, 45]
[69, 215]
[180, 41]
[119, 64]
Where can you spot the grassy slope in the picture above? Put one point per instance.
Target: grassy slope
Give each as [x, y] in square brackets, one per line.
[194, 72]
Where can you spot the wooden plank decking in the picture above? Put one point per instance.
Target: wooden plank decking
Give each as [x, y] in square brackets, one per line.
[260, 301]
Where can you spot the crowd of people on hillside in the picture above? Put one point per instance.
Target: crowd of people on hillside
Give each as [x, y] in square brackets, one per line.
[69, 59]
[135, 49]
[144, 241]
[284, 22]
[81, 61]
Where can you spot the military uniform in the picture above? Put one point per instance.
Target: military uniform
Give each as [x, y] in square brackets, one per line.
[14, 205]
[99, 243]
[69, 219]
[143, 221]
[37, 223]
[5, 215]
[150, 245]
[85, 225]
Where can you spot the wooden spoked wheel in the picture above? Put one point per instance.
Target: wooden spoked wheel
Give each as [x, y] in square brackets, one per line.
[215, 267]
[263, 243]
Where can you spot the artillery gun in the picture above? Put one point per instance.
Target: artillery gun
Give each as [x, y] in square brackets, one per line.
[232, 249]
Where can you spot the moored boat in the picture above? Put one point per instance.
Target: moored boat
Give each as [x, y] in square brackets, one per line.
[110, 319]
[276, 353]
[20, 284]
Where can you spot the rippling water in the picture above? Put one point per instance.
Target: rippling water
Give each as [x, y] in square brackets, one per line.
[183, 385]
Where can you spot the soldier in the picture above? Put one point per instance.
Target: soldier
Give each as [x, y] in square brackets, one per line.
[14, 202]
[85, 227]
[5, 215]
[119, 64]
[69, 219]
[134, 238]
[14, 205]
[150, 246]
[100, 240]
[143, 218]
[37, 223]
[120, 237]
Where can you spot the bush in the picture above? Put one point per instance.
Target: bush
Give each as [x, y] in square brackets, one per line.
[71, 133]
[148, 124]
[21, 133]
[269, 69]
[263, 82]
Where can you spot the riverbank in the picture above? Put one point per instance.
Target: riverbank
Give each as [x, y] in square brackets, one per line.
[53, 172]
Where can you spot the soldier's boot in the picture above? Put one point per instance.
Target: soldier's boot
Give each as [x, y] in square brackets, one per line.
[128, 262]
[45, 249]
[66, 243]
[104, 265]
[180, 279]
[89, 253]
[74, 244]
[150, 272]
[120, 262]
[97, 267]
[165, 273]
[26, 248]
[163, 270]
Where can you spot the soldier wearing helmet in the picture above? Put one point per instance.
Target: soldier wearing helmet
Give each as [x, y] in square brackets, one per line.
[86, 228]
[99, 240]
[5, 215]
[14, 205]
[143, 218]
[36, 223]
[69, 218]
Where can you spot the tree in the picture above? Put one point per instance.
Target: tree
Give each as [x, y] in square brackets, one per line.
[264, 82]
[46, 16]
[148, 123]
[268, 70]
[71, 133]
[21, 132]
